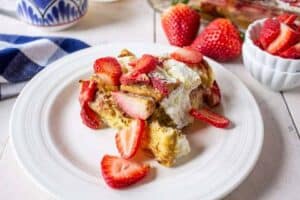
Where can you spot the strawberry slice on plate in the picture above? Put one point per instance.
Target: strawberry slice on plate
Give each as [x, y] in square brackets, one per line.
[88, 91]
[145, 64]
[89, 117]
[119, 173]
[128, 79]
[210, 117]
[128, 139]
[187, 55]
[108, 70]
[285, 39]
[269, 32]
[138, 107]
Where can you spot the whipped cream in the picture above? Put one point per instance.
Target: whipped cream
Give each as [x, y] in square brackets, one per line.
[178, 104]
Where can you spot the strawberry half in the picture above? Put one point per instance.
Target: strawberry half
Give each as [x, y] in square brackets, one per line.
[109, 70]
[137, 107]
[119, 173]
[87, 91]
[89, 117]
[285, 39]
[210, 117]
[187, 55]
[180, 24]
[292, 52]
[269, 32]
[212, 97]
[128, 139]
[219, 40]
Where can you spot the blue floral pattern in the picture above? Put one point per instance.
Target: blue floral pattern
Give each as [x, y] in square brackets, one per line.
[51, 12]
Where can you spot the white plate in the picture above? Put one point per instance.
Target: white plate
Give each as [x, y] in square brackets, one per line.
[62, 155]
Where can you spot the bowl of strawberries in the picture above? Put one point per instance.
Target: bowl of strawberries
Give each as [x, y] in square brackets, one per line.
[271, 52]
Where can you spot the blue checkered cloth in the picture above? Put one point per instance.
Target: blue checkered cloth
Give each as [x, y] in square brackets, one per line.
[21, 57]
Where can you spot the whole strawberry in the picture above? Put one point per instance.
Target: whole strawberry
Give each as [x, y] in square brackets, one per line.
[181, 24]
[219, 40]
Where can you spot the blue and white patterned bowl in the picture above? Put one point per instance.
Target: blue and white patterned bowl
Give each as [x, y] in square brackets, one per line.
[51, 14]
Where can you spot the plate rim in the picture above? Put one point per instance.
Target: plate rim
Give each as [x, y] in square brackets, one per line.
[31, 83]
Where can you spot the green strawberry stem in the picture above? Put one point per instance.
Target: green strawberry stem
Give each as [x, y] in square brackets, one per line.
[174, 2]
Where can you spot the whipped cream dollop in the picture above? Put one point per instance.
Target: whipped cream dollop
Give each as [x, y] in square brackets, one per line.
[178, 104]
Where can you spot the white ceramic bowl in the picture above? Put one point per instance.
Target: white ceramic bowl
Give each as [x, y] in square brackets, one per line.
[273, 71]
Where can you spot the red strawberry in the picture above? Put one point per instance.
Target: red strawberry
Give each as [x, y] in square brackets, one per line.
[108, 69]
[287, 18]
[210, 117]
[128, 139]
[286, 38]
[213, 96]
[89, 117]
[145, 64]
[257, 43]
[135, 106]
[219, 40]
[187, 55]
[180, 24]
[292, 52]
[128, 79]
[161, 85]
[269, 32]
[87, 91]
[119, 173]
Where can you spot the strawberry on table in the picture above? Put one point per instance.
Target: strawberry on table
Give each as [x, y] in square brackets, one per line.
[187, 55]
[119, 173]
[89, 117]
[180, 24]
[210, 117]
[285, 39]
[88, 91]
[219, 40]
[139, 107]
[108, 70]
[128, 139]
[269, 32]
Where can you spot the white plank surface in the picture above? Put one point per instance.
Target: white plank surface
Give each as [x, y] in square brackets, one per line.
[276, 175]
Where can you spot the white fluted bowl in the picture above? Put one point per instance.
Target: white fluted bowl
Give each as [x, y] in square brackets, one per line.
[273, 71]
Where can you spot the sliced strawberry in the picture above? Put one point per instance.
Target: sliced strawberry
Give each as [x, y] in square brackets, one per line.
[292, 52]
[128, 139]
[128, 79]
[213, 96]
[135, 106]
[210, 117]
[269, 32]
[257, 43]
[119, 173]
[87, 91]
[89, 117]
[287, 18]
[187, 55]
[145, 64]
[162, 82]
[109, 70]
[286, 38]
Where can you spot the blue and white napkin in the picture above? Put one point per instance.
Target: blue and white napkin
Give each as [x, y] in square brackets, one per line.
[21, 57]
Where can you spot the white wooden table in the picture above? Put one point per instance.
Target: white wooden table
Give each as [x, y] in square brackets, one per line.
[277, 173]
